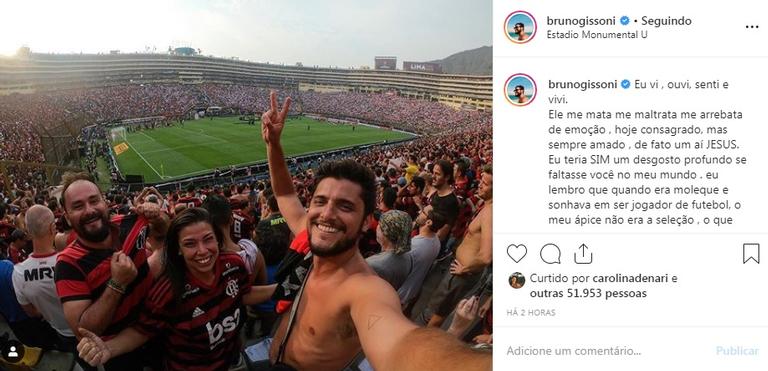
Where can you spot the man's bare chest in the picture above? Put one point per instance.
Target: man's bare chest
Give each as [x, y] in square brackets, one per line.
[325, 317]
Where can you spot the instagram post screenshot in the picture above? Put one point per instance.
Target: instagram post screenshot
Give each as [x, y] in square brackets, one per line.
[631, 230]
[248, 185]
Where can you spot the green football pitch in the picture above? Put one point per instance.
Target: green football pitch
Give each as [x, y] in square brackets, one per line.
[198, 146]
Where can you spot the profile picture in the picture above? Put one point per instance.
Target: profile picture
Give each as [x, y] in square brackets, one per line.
[516, 280]
[520, 27]
[520, 89]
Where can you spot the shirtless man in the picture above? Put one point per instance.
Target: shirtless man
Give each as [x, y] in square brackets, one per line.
[472, 256]
[520, 94]
[519, 29]
[344, 304]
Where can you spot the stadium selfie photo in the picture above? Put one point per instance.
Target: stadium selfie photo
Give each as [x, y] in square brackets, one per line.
[246, 186]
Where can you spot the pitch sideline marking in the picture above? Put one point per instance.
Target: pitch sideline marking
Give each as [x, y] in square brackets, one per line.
[144, 159]
[181, 147]
[144, 134]
[201, 132]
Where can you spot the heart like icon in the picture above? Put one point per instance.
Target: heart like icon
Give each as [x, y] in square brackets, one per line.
[517, 252]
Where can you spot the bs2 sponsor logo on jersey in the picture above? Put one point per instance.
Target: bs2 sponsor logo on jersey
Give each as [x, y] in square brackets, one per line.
[217, 330]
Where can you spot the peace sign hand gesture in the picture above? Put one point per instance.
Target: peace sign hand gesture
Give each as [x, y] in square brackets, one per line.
[273, 121]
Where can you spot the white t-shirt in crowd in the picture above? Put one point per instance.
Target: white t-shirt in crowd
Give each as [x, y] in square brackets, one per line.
[248, 252]
[33, 283]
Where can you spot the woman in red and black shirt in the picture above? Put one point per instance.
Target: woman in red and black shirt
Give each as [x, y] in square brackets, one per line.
[194, 309]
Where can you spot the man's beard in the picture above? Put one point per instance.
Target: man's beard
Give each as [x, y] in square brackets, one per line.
[486, 195]
[96, 236]
[336, 249]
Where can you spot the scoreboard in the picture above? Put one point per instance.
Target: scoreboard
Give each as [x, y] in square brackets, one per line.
[385, 63]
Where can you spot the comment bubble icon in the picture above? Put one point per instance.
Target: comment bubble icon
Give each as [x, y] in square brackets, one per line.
[550, 254]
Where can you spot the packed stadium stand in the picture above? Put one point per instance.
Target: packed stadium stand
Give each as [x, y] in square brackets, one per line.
[46, 99]
[45, 72]
[56, 113]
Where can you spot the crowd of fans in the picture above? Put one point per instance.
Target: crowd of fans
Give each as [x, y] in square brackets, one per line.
[430, 197]
[98, 105]
[388, 109]
[19, 142]
[246, 99]
[413, 115]
[23, 118]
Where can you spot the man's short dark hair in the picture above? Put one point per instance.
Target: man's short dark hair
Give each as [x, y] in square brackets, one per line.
[67, 179]
[53, 204]
[438, 220]
[354, 172]
[219, 209]
[520, 87]
[447, 169]
[463, 166]
[272, 203]
[520, 24]
[267, 192]
[388, 197]
[419, 182]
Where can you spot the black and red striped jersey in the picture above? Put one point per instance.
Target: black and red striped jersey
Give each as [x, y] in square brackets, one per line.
[202, 331]
[82, 273]
[190, 201]
[242, 225]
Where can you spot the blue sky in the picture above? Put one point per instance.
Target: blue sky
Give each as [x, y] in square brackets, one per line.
[342, 33]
